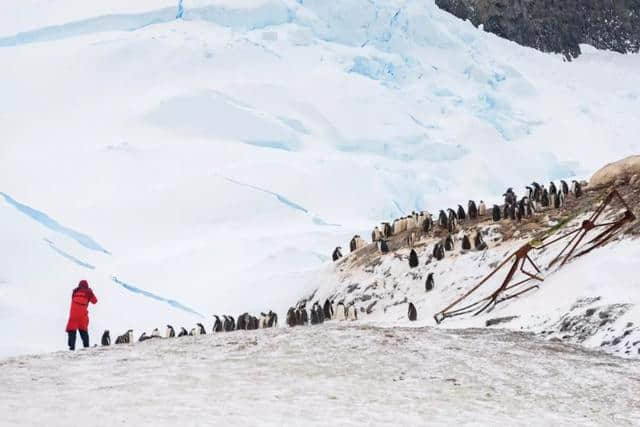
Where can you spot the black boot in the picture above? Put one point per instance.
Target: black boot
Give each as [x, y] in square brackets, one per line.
[72, 340]
[85, 338]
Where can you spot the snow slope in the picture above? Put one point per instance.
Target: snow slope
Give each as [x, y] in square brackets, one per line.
[318, 375]
[210, 156]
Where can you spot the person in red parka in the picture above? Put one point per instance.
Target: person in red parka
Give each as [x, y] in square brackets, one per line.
[79, 314]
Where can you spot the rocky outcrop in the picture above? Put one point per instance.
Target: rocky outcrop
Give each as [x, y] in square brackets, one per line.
[619, 172]
[556, 26]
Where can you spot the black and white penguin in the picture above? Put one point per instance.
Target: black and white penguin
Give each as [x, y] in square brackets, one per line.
[461, 214]
[106, 338]
[564, 187]
[520, 210]
[352, 244]
[452, 221]
[451, 213]
[466, 243]
[438, 251]
[430, 283]
[305, 315]
[413, 259]
[529, 191]
[126, 338]
[512, 211]
[386, 229]
[328, 310]
[242, 321]
[217, 325]
[143, 337]
[496, 213]
[320, 312]
[376, 234]
[555, 198]
[472, 210]
[272, 320]
[155, 333]
[576, 188]
[505, 211]
[183, 332]
[337, 254]
[509, 196]
[478, 242]
[384, 246]
[170, 332]
[544, 199]
[341, 312]
[413, 313]
[552, 189]
[442, 219]
[314, 315]
[352, 312]
[201, 329]
[427, 224]
[482, 209]
[561, 198]
[537, 191]
[291, 317]
[448, 243]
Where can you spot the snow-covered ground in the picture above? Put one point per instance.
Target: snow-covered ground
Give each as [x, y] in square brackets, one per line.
[325, 375]
[205, 156]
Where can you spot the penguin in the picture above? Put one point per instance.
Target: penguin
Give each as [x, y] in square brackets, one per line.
[430, 283]
[564, 188]
[320, 312]
[384, 247]
[106, 338]
[495, 213]
[472, 210]
[451, 213]
[561, 198]
[452, 223]
[376, 234]
[438, 251]
[155, 333]
[314, 315]
[478, 242]
[576, 188]
[143, 337]
[413, 313]
[512, 211]
[305, 315]
[448, 243]
[442, 219]
[354, 244]
[411, 223]
[328, 310]
[217, 325]
[183, 332]
[466, 243]
[387, 231]
[556, 200]
[482, 209]
[337, 254]
[242, 324]
[537, 191]
[272, 321]
[291, 317]
[341, 312]
[427, 225]
[544, 199]
[201, 330]
[170, 332]
[519, 209]
[461, 214]
[529, 191]
[413, 259]
[126, 338]
[552, 188]
[529, 209]
[509, 196]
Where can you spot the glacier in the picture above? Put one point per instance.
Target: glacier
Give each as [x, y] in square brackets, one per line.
[221, 149]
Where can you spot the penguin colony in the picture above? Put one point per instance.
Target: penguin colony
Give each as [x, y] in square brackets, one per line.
[537, 199]
[299, 316]
[221, 324]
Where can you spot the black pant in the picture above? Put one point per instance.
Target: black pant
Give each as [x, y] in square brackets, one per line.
[84, 335]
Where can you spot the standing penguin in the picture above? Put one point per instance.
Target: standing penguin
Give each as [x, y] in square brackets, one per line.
[442, 219]
[291, 317]
[170, 332]
[413, 313]
[448, 243]
[537, 191]
[466, 243]
[386, 229]
[217, 325]
[413, 259]
[106, 338]
[384, 247]
[337, 254]
[438, 251]
[427, 224]
[472, 210]
[430, 283]
[478, 242]
[328, 309]
[544, 199]
[564, 188]
[452, 221]
[576, 189]
[529, 191]
[556, 200]
[495, 212]
[461, 214]
[482, 209]
[183, 332]
[552, 189]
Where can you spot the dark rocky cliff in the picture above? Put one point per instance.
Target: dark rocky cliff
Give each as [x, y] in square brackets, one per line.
[556, 25]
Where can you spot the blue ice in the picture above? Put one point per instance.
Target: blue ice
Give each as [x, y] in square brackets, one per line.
[52, 224]
[148, 294]
[69, 257]
[278, 197]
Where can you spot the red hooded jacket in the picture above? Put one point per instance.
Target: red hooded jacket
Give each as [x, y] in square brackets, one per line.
[79, 313]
